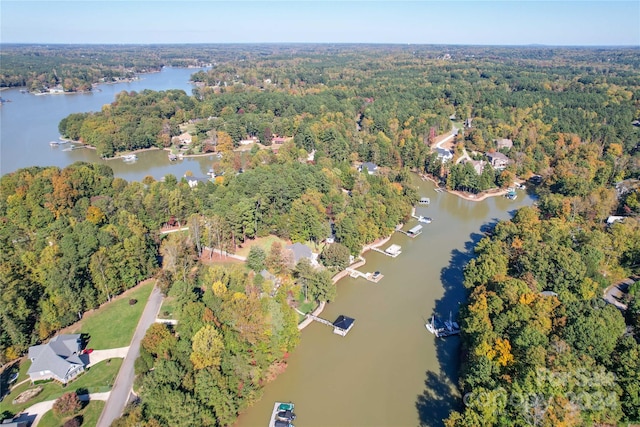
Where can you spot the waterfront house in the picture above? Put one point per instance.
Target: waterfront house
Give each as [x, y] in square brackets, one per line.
[478, 165]
[444, 155]
[370, 167]
[194, 181]
[300, 251]
[498, 160]
[59, 359]
[184, 139]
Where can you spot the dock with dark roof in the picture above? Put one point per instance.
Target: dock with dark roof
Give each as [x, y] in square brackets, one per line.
[341, 326]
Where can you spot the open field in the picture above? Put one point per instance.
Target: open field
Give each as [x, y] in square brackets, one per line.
[99, 325]
[264, 242]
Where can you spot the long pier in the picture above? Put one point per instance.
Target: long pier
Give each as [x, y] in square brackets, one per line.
[320, 319]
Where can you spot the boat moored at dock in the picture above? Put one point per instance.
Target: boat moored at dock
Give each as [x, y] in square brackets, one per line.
[442, 329]
[424, 219]
[282, 415]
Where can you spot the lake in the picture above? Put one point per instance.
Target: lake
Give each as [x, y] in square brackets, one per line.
[29, 122]
[388, 370]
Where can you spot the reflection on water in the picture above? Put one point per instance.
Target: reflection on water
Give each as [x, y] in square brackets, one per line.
[389, 371]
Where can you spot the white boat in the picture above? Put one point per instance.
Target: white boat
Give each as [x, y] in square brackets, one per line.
[424, 219]
[130, 158]
[442, 329]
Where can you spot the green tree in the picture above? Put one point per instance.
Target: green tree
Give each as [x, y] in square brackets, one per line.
[335, 255]
[256, 258]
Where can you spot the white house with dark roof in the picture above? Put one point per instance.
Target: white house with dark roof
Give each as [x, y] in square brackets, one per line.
[443, 154]
[370, 167]
[59, 359]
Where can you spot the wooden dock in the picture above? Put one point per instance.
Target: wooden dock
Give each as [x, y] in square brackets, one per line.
[393, 251]
[369, 276]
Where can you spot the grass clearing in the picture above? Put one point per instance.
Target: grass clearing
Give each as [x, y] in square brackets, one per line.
[264, 242]
[99, 378]
[100, 324]
[90, 414]
[169, 308]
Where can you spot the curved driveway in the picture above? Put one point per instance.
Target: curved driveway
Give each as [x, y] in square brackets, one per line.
[39, 409]
[124, 382]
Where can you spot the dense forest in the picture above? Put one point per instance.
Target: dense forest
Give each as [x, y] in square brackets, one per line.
[76, 67]
[540, 346]
[77, 236]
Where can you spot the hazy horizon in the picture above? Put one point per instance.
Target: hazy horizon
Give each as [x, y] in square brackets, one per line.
[482, 23]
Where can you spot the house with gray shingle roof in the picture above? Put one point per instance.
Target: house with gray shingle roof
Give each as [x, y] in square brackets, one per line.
[300, 251]
[369, 166]
[59, 359]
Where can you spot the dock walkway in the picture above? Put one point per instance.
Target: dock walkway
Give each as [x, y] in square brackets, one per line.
[320, 319]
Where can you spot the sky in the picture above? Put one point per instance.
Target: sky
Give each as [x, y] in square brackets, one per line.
[486, 22]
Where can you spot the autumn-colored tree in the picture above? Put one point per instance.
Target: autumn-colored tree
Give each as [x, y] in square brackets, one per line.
[67, 404]
[207, 347]
[158, 340]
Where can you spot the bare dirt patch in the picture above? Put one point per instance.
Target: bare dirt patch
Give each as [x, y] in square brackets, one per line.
[27, 395]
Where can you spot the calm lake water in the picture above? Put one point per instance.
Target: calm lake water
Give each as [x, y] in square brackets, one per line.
[29, 122]
[388, 371]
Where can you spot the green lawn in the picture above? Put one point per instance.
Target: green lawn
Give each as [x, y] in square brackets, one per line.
[264, 242]
[98, 378]
[113, 325]
[89, 413]
[169, 307]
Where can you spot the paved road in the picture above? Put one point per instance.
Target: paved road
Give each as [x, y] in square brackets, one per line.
[124, 382]
[450, 136]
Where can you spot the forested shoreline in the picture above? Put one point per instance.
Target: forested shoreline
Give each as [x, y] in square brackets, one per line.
[535, 327]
